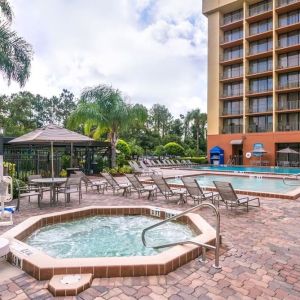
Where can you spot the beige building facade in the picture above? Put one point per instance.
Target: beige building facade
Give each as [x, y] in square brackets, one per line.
[253, 78]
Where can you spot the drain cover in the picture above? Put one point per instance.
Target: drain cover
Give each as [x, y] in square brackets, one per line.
[70, 279]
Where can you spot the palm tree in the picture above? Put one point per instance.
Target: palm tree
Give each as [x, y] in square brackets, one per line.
[104, 109]
[15, 52]
[199, 120]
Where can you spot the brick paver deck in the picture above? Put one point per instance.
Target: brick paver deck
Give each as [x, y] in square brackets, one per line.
[260, 258]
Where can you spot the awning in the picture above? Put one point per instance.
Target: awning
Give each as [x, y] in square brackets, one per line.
[236, 142]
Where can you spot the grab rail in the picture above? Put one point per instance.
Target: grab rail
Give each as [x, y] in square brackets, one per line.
[291, 177]
[203, 245]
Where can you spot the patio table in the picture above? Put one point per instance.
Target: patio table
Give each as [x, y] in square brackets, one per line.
[52, 183]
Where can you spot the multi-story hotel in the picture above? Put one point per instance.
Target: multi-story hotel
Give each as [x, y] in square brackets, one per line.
[253, 77]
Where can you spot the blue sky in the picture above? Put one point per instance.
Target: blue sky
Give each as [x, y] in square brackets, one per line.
[152, 50]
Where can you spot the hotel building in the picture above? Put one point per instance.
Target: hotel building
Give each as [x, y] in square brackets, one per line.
[253, 77]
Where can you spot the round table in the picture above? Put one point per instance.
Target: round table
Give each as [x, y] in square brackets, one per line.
[52, 183]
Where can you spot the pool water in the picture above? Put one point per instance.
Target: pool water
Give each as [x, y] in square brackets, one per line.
[272, 170]
[246, 183]
[105, 236]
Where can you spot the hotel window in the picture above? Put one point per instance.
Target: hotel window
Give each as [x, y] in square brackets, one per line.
[288, 122]
[260, 7]
[263, 84]
[233, 89]
[285, 2]
[233, 35]
[289, 59]
[289, 80]
[233, 108]
[232, 71]
[263, 45]
[261, 65]
[233, 53]
[289, 101]
[233, 125]
[233, 17]
[289, 39]
[260, 27]
[289, 18]
[260, 123]
[261, 104]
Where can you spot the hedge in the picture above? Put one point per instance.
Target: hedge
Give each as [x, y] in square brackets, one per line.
[197, 160]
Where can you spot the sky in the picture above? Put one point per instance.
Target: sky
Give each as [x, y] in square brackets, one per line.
[154, 51]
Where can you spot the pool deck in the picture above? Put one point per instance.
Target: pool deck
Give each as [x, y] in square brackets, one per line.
[259, 257]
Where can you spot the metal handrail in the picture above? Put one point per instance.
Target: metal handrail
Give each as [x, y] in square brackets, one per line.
[291, 177]
[203, 245]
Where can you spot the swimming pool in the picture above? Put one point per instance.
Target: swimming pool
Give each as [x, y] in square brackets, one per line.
[105, 236]
[245, 183]
[271, 170]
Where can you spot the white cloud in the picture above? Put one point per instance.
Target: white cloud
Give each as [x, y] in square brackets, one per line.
[154, 51]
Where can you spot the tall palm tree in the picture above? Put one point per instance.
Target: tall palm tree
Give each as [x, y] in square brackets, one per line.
[103, 108]
[15, 52]
[199, 120]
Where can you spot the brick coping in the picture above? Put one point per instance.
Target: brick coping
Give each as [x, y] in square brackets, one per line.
[43, 267]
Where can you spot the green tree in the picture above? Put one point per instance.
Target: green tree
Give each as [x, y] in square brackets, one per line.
[123, 147]
[159, 151]
[199, 121]
[160, 119]
[15, 52]
[174, 149]
[104, 108]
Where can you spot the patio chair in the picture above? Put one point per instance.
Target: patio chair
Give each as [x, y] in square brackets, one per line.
[138, 187]
[146, 169]
[28, 191]
[115, 186]
[99, 185]
[167, 192]
[230, 198]
[140, 171]
[71, 186]
[196, 192]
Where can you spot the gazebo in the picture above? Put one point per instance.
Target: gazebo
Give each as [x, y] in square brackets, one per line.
[45, 149]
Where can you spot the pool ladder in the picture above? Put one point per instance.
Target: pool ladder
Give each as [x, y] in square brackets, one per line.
[204, 246]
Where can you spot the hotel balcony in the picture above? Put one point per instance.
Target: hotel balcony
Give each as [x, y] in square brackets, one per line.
[257, 128]
[231, 113]
[284, 47]
[229, 43]
[262, 73]
[259, 54]
[260, 12]
[285, 69]
[260, 110]
[294, 126]
[231, 24]
[230, 129]
[291, 105]
[287, 28]
[231, 77]
[287, 5]
[288, 86]
[231, 96]
[225, 60]
[259, 36]
[254, 93]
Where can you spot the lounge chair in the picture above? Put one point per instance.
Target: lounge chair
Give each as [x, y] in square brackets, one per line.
[196, 192]
[115, 186]
[148, 170]
[230, 198]
[100, 185]
[138, 187]
[167, 192]
[139, 170]
[71, 186]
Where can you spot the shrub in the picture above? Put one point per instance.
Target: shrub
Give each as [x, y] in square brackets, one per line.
[11, 168]
[123, 147]
[121, 160]
[136, 150]
[63, 173]
[174, 149]
[197, 160]
[125, 170]
[189, 152]
[159, 151]
[15, 190]
[118, 170]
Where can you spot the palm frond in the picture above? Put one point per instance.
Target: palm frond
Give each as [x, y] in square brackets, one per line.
[15, 55]
[6, 10]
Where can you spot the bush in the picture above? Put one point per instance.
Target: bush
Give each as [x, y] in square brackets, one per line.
[121, 160]
[159, 151]
[123, 147]
[63, 173]
[174, 149]
[136, 150]
[197, 160]
[15, 190]
[10, 167]
[118, 170]
[189, 152]
[125, 170]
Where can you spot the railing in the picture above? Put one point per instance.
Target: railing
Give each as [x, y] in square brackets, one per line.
[257, 51]
[260, 91]
[229, 39]
[260, 109]
[287, 43]
[233, 75]
[232, 112]
[232, 129]
[259, 9]
[292, 104]
[232, 94]
[230, 57]
[288, 126]
[203, 245]
[232, 18]
[256, 128]
[288, 85]
[268, 68]
[282, 66]
[281, 3]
